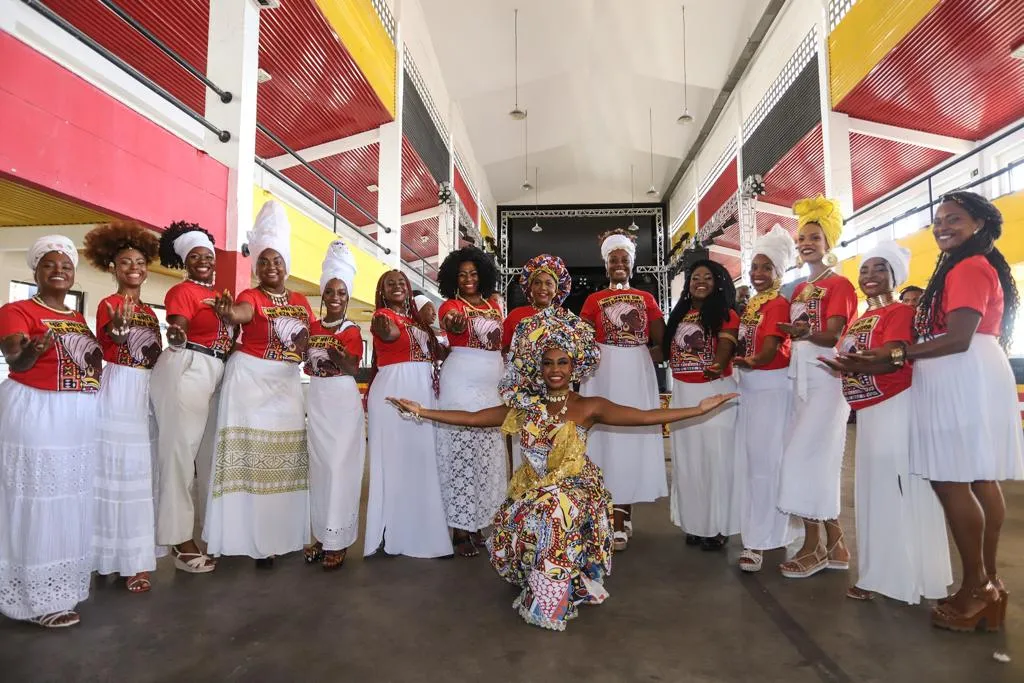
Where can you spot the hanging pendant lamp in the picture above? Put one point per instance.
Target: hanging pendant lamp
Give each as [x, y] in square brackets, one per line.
[517, 113]
[652, 191]
[685, 117]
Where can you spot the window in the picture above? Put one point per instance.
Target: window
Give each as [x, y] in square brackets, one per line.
[20, 291]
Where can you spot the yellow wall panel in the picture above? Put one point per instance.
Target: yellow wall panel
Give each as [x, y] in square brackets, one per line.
[360, 31]
[687, 228]
[485, 230]
[868, 32]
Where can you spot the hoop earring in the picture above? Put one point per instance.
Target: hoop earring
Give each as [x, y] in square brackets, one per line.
[830, 260]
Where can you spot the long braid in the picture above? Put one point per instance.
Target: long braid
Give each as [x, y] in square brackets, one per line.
[929, 311]
[411, 312]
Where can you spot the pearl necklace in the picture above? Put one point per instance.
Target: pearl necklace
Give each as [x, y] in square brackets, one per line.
[276, 299]
[208, 285]
[66, 311]
[332, 325]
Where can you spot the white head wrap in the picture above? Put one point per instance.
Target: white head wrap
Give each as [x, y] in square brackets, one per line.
[44, 245]
[616, 241]
[421, 301]
[271, 231]
[188, 241]
[896, 256]
[338, 263]
[778, 246]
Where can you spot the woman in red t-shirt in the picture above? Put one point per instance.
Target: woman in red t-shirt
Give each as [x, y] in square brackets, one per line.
[902, 549]
[763, 414]
[184, 384]
[813, 459]
[124, 542]
[336, 431]
[259, 502]
[472, 462]
[965, 420]
[699, 341]
[546, 282]
[47, 445]
[630, 328]
[405, 513]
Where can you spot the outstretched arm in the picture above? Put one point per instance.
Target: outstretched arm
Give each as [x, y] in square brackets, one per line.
[488, 417]
[608, 413]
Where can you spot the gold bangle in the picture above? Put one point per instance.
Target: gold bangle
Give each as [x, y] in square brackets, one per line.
[898, 356]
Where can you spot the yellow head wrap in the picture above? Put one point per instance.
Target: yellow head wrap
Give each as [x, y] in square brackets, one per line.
[824, 212]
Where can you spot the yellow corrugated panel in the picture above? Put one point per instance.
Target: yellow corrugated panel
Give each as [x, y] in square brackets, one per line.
[687, 228]
[21, 205]
[870, 30]
[485, 230]
[309, 244]
[360, 31]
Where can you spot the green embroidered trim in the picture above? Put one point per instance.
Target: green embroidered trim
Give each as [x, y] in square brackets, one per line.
[260, 462]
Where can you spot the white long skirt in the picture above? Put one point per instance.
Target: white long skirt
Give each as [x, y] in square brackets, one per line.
[259, 489]
[902, 548]
[766, 399]
[632, 459]
[47, 462]
[965, 421]
[124, 538]
[813, 459]
[336, 435]
[405, 511]
[705, 500]
[473, 463]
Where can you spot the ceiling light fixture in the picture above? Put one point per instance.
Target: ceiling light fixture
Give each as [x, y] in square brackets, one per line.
[517, 113]
[536, 202]
[685, 117]
[526, 155]
[652, 191]
[633, 227]
[372, 188]
[262, 76]
[1018, 52]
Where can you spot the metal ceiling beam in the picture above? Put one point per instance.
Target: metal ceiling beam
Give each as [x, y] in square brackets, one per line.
[743, 62]
[425, 214]
[911, 137]
[774, 209]
[326, 149]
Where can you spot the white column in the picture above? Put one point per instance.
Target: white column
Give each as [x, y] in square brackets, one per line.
[233, 63]
[389, 164]
[746, 215]
[835, 127]
[448, 221]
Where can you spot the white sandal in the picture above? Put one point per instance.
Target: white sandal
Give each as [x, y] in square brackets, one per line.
[619, 541]
[198, 563]
[628, 525]
[836, 564]
[753, 560]
[52, 620]
[820, 563]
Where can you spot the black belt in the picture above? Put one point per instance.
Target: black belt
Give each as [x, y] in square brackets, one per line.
[205, 350]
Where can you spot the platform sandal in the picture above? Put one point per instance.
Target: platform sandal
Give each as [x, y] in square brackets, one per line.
[313, 553]
[797, 568]
[139, 583]
[841, 565]
[751, 560]
[56, 620]
[333, 559]
[192, 563]
[987, 615]
[620, 541]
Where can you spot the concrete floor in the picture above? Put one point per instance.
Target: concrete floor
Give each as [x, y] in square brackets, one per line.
[675, 614]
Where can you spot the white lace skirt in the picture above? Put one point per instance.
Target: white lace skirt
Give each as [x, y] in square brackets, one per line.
[405, 510]
[472, 462]
[965, 417]
[336, 433]
[705, 499]
[632, 459]
[124, 539]
[47, 461]
[259, 490]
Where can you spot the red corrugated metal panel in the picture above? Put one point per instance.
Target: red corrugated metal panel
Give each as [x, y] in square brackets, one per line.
[353, 172]
[421, 236]
[953, 75]
[880, 166]
[183, 26]
[468, 200]
[800, 173]
[419, 189]
[730, 238]
[765, 222]
[724, 187]
[731, 263]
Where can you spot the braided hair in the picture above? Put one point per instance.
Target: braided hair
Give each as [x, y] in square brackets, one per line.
[412, 312]
[448, 273]
[714, 312]
[103, 244]
[168, 257]
[980, 243]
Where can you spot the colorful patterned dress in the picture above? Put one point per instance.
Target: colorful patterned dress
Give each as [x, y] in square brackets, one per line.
[553, 535]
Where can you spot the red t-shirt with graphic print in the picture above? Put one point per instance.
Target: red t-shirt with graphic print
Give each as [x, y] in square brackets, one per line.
[345, 337]
[755, 327]
[195, 303]
[621, 317]
[875, 329]
[142, 347]
[974, 284]
[276, 332]
[692, 352]
[829, 297]
[484, 324]
[515, 316]
[411, 345]
[73, 363]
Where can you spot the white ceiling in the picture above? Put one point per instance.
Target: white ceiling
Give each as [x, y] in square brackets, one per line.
[589, 70]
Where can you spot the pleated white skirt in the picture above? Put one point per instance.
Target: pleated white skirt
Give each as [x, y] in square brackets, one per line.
[812, 462]
[902, 548]
[124, 538]
[705, 500]
[472, 463]
[336, 435]
[47, 462]
[405, 510]
[766, 399]
[632, 459]
[259, 489]
[965, 423]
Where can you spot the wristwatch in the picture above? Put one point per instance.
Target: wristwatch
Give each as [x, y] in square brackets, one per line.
[898, 356]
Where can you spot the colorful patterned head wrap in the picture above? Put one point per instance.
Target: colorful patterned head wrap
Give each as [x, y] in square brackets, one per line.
[824, 212]
[553, 328]
[553, 266]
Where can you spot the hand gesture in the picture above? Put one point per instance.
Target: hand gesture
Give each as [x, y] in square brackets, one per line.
[38, 345]
[175, 335]
[713, 371]
[797, 330]
[746, 362]
[380, 326]
[406, 407]
[337, 356]
[455, 321]
[121, 317]
[223, 304]
[712, 402]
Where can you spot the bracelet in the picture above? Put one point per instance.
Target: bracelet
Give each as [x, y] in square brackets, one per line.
[898, 356]
[120, 331]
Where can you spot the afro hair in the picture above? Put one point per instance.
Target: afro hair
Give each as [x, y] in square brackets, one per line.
[168, 257]
[448, 275]
[103, 244]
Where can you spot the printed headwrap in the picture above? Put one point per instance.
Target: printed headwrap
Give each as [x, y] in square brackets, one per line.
[777, 245]
[271, 231]
[896, 256]
[617, 241]
[553, 266]
[44, 245]
[523, 385]
[824, 212]
[338, 263]
[186, 242]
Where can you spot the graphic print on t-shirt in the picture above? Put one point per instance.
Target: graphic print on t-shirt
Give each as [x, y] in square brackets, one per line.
[806, 307]
[79, 356]
[691, 350]
[747, 334]
[624, 317]
[485, 329]
[143, 345]
[859, 387]
[419, 343]
[289, 332]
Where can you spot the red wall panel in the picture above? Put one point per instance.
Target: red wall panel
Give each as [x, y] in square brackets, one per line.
[798, 174]
[723, 188]
[880, 166]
